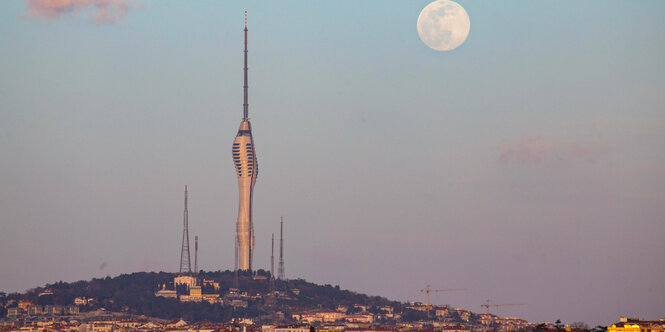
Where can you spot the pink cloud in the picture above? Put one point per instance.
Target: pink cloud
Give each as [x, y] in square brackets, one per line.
[104, 11]
[534, 150]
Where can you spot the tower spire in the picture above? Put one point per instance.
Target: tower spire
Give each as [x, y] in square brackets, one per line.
[245, 106]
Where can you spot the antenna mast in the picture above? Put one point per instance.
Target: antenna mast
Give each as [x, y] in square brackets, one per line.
[196, 254]
[245, 106]
[281, 250]
[185, 266]
[272, 263]
[235, 275]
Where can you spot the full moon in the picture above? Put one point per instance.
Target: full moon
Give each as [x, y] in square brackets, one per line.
[443, 25]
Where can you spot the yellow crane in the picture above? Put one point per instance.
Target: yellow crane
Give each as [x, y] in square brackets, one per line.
[488, 304]
[429, 290]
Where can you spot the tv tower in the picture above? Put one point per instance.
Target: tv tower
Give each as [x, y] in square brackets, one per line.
[185, 266]
[247, 169]
[281, 250]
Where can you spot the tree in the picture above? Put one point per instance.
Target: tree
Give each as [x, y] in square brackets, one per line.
[558, 324]
[182, 289]
[414, 315]
[580, 325]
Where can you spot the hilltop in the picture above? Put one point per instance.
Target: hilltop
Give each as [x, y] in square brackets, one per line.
[292, 301]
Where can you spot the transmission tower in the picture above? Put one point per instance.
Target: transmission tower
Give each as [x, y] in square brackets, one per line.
[281, 250]
[196, 254]
[185, 266]
[235, 274]
[272, 264]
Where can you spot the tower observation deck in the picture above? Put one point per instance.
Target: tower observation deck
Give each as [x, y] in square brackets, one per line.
[247, 169]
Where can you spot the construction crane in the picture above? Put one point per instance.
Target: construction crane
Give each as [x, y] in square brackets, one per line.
[488, 304]
[429, 290]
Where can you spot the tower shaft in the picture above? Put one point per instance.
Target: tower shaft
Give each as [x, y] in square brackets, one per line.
[185, 266]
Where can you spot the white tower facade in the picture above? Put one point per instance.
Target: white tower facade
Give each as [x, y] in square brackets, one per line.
[247, 169]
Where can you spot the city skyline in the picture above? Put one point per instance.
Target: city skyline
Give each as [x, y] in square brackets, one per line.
[525, 165]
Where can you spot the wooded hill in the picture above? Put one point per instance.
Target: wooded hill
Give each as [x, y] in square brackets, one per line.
[135, 294]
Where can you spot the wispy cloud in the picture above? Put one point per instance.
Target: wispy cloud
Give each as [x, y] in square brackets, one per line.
[534, 150]
[101, 11]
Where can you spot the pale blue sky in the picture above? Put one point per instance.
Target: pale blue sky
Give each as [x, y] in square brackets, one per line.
[527, 165]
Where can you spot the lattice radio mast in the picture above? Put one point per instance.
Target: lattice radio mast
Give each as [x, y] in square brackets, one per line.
[196, 254]
[272, 263]
[235, 273]
[185, 266]
[281, 250]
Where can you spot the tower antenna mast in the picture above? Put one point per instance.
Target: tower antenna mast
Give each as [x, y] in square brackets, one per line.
[245, 105]
[185, 266]
[281, 250]
[196, 254]
[235, 274]
[272, 263]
